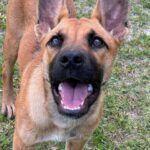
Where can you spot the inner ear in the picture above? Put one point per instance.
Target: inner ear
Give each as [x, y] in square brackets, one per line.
[41, 30]
[52, 11]
[47, 11]
[112, 14]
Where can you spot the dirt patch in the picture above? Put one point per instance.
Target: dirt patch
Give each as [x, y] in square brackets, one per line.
[133, 115]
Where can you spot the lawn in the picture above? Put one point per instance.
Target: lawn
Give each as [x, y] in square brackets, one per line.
[126, 121]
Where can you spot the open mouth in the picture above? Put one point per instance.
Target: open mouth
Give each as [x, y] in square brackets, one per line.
[75, 82]
[74, 97]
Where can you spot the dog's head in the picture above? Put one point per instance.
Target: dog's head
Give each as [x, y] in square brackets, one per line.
[79, 53]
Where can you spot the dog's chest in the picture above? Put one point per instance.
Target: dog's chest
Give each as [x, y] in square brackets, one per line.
[60, 136]
[54, 137]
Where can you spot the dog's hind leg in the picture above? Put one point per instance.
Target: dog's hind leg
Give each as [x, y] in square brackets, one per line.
[10, 51]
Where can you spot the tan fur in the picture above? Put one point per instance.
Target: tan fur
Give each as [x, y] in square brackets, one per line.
[37, 116]
[38, 112]
[20, 42]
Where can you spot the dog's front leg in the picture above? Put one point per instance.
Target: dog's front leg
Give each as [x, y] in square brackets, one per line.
[18, 144]
[76, 144]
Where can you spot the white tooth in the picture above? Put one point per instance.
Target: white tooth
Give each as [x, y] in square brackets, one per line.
[68, 108]
[65, 107]
[82, 103]
[90, 88]
[62, 102]
[60, 87]
[76, 108]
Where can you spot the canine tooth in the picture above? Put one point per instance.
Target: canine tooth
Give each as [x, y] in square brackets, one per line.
[82, 103]
[65, 107]
[60, 87]
[62, 102]
[90, 88]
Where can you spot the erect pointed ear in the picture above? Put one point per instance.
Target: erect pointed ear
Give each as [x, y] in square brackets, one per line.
[112, 14]
[67, 10]
[41, 30]
[50, 12]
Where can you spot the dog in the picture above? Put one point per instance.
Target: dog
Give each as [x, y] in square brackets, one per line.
[64, 62]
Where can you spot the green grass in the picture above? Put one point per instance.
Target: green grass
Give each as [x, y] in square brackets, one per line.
[2, 14]
[126, 122]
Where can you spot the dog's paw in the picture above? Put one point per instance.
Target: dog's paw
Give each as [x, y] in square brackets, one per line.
[8, 109]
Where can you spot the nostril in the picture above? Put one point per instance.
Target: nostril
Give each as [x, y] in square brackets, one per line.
[64, 60]
[78, 59]
[71, 59]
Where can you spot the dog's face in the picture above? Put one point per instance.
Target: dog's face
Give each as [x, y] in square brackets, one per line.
[78, 54]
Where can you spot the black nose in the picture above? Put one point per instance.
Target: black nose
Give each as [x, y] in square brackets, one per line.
[71, 58]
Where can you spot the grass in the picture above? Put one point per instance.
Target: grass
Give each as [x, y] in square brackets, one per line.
[2, 14]
[126, 123]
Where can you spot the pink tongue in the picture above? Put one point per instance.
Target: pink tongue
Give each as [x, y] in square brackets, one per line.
[73, 97]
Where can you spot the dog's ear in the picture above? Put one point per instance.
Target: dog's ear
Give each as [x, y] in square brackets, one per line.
[112, 14]
[50, 12]
[41, 29]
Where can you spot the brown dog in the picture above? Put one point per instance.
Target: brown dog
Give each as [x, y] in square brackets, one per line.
[60, 96]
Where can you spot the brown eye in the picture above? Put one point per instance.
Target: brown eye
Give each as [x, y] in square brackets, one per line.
[97, 42]
[56, 41]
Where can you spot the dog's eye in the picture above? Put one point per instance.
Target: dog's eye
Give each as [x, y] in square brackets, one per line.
[97, 42]
[56, 41]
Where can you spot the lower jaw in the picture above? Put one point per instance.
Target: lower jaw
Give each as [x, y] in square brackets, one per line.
[76, 114]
